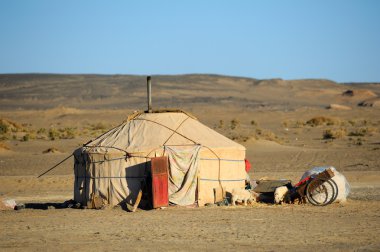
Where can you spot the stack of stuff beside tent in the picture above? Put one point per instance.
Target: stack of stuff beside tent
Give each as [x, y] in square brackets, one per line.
[319, 186]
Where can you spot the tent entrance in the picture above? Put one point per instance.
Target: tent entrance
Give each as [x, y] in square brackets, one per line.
[159, 170]
[183, 173]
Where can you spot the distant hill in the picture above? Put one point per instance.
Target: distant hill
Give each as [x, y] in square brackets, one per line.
[41, 91]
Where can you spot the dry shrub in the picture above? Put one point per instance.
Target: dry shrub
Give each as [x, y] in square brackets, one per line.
[358, 132]
[235, 123]
[84, 132]
[221, 124]
[3, 128]
[239, 138]
[67, 133]
[5, 137]
[4, 146]
[372, 130]
[293, 124]
[9, 126]
[51, 150]
[266, 135]
[334, 133]
[53, 134]
[358, 141]
[365, 122]
[41, 131]
[299, 124]
[26, 138]
[363, 131]
[61, 133]
[286, 124]
[98, 126]
[322, 120]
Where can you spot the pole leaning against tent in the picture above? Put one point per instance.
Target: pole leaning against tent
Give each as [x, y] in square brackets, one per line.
[54, 166]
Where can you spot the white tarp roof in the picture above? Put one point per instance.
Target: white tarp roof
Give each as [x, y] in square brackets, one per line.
[148, 131]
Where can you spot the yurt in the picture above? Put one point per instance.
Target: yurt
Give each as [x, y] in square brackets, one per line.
[115, 166]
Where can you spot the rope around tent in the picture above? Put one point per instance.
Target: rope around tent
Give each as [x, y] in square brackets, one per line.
[127, 155]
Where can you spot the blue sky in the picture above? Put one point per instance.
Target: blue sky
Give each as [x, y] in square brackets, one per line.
[337, 40]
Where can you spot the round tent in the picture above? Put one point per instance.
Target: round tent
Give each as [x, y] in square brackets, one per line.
[113, 165]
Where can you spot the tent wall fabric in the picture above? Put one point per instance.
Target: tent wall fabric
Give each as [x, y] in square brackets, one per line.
[115, 165]
[183, 173]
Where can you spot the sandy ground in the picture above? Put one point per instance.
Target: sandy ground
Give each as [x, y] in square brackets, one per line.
[280, 144]
[260, 227]
[353, 226]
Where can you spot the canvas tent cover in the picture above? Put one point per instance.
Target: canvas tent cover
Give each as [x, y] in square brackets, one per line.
[113, 165]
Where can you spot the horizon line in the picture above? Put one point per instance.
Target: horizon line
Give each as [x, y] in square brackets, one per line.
[188, 74]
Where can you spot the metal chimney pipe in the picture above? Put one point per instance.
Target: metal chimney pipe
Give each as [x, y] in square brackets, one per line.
[149, 90]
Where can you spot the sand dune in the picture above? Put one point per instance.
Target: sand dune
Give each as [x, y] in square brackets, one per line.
[339, 107]
[372, 102]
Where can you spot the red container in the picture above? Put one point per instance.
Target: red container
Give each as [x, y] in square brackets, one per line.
[159, 168]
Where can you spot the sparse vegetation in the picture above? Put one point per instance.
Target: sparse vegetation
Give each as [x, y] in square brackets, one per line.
[9, 126]
[322, 120]
[352, 122]
[53, 134]
[3, 128]
[51, 150]
[363, 131]
[4, 146]
[235, 123]
[41, 131]
[299, 124]
[61, 133]
[266, 135]
[285, 124]
[358, 141]
[239, 138]
[4, 137]
[221, 124]
[328, 134]
[98, 126]
[358, 132]
[67, 133]
[26, 138]
[334, 133]
[254, 123]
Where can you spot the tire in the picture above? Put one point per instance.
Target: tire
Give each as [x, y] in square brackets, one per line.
[336, 190]
[321, 192]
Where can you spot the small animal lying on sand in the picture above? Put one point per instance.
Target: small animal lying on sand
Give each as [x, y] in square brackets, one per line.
[240, 194]
[281, 194]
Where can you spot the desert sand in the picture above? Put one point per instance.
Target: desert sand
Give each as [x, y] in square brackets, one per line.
[287, 126]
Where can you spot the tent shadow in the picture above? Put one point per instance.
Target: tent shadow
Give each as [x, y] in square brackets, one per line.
[43, 206]
[138, 178]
